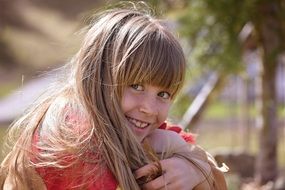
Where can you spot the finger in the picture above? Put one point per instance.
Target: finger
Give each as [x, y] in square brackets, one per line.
[166, 183]
[168, 165]
[158, 183]
[145, 170]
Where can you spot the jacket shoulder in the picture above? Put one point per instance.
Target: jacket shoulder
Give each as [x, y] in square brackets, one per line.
[215, 179]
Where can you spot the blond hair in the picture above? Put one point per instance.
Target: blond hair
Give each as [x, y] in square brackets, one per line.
[122, 47]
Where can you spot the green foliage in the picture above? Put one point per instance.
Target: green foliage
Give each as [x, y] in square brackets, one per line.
[212, 28]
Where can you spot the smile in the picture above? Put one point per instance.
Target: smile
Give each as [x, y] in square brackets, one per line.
[137, 123]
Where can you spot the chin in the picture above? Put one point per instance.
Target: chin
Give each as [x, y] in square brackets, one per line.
[140, 138]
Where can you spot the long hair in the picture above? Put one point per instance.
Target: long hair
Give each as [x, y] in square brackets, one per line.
[121, 47]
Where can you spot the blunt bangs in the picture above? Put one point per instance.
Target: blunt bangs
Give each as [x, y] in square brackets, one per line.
[159, 61]
[144, 51]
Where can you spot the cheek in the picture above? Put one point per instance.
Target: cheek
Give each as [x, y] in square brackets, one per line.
[163, 113]
[128, 101]
[124, 104]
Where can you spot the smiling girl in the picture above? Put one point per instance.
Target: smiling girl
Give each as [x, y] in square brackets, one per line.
[88, 131]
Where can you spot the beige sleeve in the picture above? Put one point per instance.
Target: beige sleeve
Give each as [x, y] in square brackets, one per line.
[212, 175]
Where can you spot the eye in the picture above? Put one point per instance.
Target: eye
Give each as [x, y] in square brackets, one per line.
[164, 95]
[137, 87]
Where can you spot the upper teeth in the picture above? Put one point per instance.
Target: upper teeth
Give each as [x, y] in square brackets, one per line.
[137, 123]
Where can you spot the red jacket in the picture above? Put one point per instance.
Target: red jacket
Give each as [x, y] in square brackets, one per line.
[61, 179]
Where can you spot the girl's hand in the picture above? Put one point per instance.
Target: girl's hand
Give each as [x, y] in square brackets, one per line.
[179, 174]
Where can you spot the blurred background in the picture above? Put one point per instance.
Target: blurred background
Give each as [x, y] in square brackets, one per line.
[234, 95]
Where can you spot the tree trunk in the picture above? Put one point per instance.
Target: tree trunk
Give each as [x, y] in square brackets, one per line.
[266, 168]
[269, 31]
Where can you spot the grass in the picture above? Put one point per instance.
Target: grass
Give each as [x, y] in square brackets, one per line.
[3, 130]
[216, 138]
[6, 88]
[221, 110]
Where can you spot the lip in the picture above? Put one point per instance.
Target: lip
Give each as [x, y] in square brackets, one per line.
[138, 123]
[140, 132]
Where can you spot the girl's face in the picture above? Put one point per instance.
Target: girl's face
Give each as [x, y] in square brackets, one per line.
[145, 107]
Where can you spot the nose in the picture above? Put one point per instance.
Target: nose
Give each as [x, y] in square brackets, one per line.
[149, 105]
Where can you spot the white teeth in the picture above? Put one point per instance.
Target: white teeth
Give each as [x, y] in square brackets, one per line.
[137, 123]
